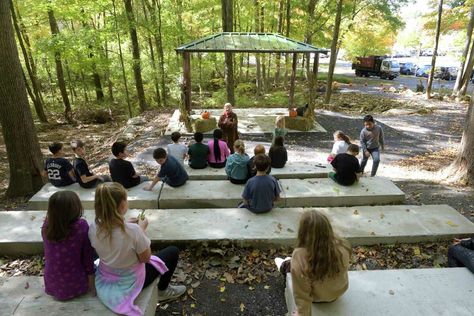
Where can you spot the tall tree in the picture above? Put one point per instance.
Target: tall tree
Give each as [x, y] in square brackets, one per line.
[227, 26]
[59, 67]
[280, 31]
[308, 37]
[152, 56]
[259, 80]
[137, 71]
[435, 50]
[23, 151]
[464, 57]
[333, 59]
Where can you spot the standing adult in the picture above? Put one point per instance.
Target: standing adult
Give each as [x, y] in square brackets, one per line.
[228, 123]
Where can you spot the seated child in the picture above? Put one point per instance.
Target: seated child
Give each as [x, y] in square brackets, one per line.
[68, 254]
[346, 166]
[126, 262]
[121, 170]
[316, 278]
[262, 190]
[277, 153]
[171, 172]
[280, 129]
[218, 150]
[236, 165]
[85, 178]
[461, 253]
[198, 152]
[176, 149]
[341, 142]
[59, 169]
[258, 150]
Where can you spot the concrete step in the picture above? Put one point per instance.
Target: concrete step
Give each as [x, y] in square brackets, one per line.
[295, 193]
[415, 292]
[294, 170]
[25, 296]
[363, 225]
[137, 197]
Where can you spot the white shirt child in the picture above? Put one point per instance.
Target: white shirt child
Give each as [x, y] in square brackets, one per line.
[178, 151]
[339, 147]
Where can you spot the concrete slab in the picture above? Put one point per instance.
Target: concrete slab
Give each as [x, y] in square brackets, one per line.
[251, 120]
[325, 192]
[447, 291]
[137, 197]
[293, 170]
[365, 225]
[25, 296]
[204, 194]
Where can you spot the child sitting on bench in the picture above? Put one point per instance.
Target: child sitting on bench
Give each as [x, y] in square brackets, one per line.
[277, 153]
[346, 166]
[236, 165]
[198, 152]
[341, 143]
[122, 170]
[171, 172]
[59, 170]
[318, 265]
[85, 178]
[177, 149]
[68, 254]
[252, 170]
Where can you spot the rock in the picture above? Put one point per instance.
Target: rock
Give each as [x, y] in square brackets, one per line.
[204, 125]
[298, 123]
[129, 133]
[137, 120]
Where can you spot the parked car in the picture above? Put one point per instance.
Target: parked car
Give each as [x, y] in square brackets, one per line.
[423, 71]
[446, 73]
[407, 68]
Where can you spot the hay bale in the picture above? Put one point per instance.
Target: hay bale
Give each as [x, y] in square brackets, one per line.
[204, 125]
[298, 123]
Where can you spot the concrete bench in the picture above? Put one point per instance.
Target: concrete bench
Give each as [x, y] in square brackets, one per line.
[137, 197]
[293, 170]
[295, 193]
[25, 296]
[360, 225]
[414, 292]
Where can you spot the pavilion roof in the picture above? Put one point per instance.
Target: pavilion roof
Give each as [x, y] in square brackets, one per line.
[248, 43]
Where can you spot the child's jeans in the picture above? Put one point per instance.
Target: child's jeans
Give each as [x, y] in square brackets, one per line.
[459, 256]
[376, 160]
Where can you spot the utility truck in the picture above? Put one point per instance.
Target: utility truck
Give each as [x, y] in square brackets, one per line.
[379, 66]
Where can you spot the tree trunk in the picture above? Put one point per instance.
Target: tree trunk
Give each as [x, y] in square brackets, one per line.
[227, 26]
[137, 72]
[287, 34]
[19, 133]
[333, 59]
[257, 56]
[467, 74]
[280, 31]
[35, 94]
[59, 68]
[84, 87]
[124, 76]
[308, 37]
[152, 58]
[464, 58]
[435, 50]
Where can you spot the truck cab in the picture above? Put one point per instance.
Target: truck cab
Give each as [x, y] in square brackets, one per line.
[389, 69]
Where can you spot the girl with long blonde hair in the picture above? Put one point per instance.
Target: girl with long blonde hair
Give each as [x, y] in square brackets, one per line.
[126, 263]
[319, 263]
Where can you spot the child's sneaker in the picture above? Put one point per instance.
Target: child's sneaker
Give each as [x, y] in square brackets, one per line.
[172, 292]
[282, 262]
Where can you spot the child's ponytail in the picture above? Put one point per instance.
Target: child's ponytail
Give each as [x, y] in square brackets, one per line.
[108, 197]
[344, 137]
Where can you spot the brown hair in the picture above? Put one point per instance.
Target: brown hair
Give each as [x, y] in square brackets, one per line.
[259, 149]
[262, 162]
[108, 197]
[64, 209]
[77, 143]
[344, 137]
[316, 236]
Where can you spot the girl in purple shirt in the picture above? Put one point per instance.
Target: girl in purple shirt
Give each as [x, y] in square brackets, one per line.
[68, 254]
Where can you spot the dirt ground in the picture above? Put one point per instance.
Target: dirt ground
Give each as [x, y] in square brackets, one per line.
[420, 135]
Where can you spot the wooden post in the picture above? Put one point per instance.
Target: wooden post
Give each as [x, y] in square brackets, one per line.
[316, 69]
[187, 81]
[292, 83]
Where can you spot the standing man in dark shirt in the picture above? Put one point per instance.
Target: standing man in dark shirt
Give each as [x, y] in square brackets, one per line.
[346, 166]
[121, 170]
[371, 138]
[171, 172]
[198, 152]
[58, 169]
[85, 178]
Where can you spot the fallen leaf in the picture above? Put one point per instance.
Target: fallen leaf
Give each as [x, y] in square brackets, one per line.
[32, 217]
[290, 230]
[251, 288]
[356, 212]
[195, 284]
[450, 223]
[416, 251]
[228, 277]
[382, 215]
[280, 226]
[27, 286]
[222, 289]
[193, 305]
[372, 234]
[242, 307]
[391, 292]
[266, 287]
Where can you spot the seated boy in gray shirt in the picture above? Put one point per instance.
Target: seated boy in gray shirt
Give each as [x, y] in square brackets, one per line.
[262, 190]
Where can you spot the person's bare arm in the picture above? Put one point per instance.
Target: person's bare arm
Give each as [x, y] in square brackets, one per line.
[86, 179]
[153, 183]
[145, 256]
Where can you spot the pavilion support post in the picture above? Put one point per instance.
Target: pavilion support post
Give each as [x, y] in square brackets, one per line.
[291, 101]
[187, 81]
[313, 84]
[229, 77]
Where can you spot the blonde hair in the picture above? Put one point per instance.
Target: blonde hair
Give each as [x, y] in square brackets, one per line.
[280, 121]
[259, 149]
[316, 236]
[108, 197]
[239, 146]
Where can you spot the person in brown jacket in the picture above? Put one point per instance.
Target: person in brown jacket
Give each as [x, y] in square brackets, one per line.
[228, 124]
[319, 263]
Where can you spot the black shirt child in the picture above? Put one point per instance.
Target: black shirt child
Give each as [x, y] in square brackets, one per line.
[172, 172]
[252, 170]
[82, 169]
[346, 166]
[58, 171]
[122, 171]
[278, 156]
[198, 153]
